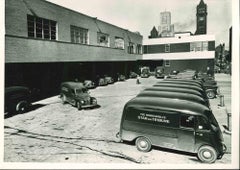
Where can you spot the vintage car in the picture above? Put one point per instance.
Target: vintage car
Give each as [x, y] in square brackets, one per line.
[17, 99]
[121, 77]
[133, 75]
[102, 82]
[174, 124]
[173, 74]
[89, 84]
[77, 94]
[109, 79]
[159, 72]
[145, 72]
[186, 74]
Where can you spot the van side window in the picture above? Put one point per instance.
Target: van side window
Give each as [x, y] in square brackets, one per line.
[202, 124]
[187, 121]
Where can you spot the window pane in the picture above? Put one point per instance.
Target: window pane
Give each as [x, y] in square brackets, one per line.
[78, 35]
[167, 48]
[119, 43]
[187, 121]
[41, 28]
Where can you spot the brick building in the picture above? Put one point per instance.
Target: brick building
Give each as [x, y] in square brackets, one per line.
[46, 44]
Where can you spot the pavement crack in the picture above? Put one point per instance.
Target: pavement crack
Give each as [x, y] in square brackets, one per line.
[108, 153]
[57, 137]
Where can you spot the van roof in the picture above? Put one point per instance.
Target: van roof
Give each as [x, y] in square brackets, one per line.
[174, 89]
[171, 94]
[181, 82]
[75, 85]
[168, 104]
[179, 86]
[16, 88]
[185, 80]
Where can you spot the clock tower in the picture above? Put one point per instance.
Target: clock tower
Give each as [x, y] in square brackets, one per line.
[201, 18]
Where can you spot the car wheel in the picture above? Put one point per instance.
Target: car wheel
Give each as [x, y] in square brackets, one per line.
[79, 106]
[207, 154]
[210, 94]
[143, 144]
[22, 107]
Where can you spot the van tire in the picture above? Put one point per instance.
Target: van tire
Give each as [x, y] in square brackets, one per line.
[22, 107]
[64, 99]
[79, 106]
[207, 154]
[143, 144]
[210, 94]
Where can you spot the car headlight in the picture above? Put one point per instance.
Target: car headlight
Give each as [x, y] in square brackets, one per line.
[82, 101]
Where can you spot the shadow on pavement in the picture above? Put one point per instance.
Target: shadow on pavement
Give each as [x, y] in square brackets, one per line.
[33, 107]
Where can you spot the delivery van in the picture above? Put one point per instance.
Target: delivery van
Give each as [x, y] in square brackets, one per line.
[199, 89]
[174, 124]
[174, 95]
[200, 82]
[181, 82]
[174, 89]
[211, 89]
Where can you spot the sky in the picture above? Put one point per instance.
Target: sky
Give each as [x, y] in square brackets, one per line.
[142, 15]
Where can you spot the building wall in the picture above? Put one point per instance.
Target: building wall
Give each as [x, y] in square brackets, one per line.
[198, 65]
[20, 48]
[182, 52]
[24, 50]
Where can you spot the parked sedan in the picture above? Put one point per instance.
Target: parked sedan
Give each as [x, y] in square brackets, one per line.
[133, 75]
[17, 99]
[102, 82]
[109, 79]
[89, 84]
[121, 77]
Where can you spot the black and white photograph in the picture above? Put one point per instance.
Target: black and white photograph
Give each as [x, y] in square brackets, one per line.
[106, 84]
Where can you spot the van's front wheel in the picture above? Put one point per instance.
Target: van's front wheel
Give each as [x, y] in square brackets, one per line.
[79, 106]
[143, 144]
[207, 154]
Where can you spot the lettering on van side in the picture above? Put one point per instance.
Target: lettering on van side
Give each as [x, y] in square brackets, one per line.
[153, 118]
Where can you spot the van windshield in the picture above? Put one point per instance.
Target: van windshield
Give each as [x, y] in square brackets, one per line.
[80, 91]
[212, 120]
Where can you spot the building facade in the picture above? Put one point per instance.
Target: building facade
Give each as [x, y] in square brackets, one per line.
[46, 44]
[183, 51]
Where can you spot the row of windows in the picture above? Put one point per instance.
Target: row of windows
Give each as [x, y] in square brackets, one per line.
[199, 46]
[177, 47]
[47, 29]
[41, 28]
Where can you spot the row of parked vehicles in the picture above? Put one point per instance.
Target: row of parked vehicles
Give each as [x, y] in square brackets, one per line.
[77, 93]
[173, 114]
[18, 99]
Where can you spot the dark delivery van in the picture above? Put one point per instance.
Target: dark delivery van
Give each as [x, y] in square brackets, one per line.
[211, 89]
[174, 124]
[175, 95]
[174, 89]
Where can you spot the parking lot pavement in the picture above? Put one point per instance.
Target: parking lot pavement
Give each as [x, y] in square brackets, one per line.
[222, 108]
[56, 132]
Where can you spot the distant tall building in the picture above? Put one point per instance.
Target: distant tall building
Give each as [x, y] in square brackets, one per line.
[166, 29]
[201, 18]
